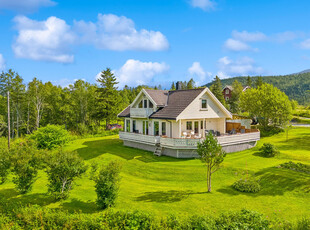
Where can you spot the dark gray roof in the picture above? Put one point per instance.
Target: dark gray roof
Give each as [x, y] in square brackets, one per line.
[178, 100]
[125, 112]
[159, 96]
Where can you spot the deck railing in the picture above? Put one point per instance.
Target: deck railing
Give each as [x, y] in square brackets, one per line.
[188, 143]
[140, 138]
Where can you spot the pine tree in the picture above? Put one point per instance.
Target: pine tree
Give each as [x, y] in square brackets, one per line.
[190, 84]
[107, 97]
[259, 82]
[173, 86]
[249, 81]
[217, 90]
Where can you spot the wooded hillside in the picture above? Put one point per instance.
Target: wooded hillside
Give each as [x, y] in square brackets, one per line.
[295, 86]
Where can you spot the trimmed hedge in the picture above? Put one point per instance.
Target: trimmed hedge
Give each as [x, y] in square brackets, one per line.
[247, 185]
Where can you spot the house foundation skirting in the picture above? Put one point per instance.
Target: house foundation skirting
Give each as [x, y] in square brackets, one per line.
[187, 153]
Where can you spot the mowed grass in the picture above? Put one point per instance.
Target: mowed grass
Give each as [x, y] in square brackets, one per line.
[164, 185]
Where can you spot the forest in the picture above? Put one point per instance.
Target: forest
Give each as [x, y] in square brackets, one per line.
[79, 107]
[295, 86]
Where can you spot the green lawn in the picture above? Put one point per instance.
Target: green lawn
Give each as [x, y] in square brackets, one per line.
[165, 185]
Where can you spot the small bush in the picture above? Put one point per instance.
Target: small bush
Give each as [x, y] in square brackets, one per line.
[244, 219]
[62, 169]
[26, 162]
[247, 185]
[50, 137]
[107, 184]
[5, 164]
[268, 150]
[299, 167]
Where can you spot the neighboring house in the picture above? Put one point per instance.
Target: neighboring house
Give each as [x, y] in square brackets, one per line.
[173, 122]
[227, 90]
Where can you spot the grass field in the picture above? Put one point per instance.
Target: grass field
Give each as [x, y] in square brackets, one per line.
[165, 185]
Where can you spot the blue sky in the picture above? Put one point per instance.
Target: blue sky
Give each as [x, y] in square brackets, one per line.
[153, 41]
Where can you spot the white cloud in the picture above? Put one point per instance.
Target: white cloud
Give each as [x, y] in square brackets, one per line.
[118, 33]
[135, 72]
[25, 5]
[240, 40]
[43, 40]
[305, 44]
[236, 45]
[241, 67]
[198, 73]
[248, 36]
[203, 4]
[286, 36]
[2, 62]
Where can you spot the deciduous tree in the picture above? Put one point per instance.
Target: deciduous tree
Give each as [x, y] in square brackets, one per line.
[211, 154]
[268, 104]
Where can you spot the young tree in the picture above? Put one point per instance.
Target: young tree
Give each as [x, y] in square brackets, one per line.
[268, 104]
[235, 97]
[107, 184]
[217, 89]
[62, 169]
[107, 97]
[212, 155]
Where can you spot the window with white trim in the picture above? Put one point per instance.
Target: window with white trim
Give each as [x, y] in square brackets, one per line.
[204, 104]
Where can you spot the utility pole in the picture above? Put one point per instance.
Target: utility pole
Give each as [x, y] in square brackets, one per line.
[9, 122]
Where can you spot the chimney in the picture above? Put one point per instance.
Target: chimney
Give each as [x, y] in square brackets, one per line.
[178, 85]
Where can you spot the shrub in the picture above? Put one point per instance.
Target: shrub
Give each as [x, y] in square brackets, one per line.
[62, 169]
[244, 219]
[107, 184]
[268, 150]
[269, 130]
[247, 185]
[299, 167]
[5, 164]
[25, 160]
[50, 137]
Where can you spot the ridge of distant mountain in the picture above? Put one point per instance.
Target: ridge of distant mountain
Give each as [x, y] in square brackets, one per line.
[295, 86]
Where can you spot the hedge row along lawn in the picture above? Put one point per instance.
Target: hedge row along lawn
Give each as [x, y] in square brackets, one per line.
[164, 185]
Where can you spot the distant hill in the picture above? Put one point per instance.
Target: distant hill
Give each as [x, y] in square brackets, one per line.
[293, 85]
[305, 71]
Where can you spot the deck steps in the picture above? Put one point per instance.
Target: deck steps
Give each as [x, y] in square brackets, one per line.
[158, 150]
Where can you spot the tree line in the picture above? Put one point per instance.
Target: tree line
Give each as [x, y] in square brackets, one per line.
[81, 107]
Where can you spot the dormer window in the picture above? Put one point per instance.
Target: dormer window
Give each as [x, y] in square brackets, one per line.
[204, 104]
[140, 104]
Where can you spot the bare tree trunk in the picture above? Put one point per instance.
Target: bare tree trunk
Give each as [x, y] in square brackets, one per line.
[9, 122]
[28, 118]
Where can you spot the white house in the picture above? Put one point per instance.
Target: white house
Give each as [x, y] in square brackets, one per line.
[173, 122]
